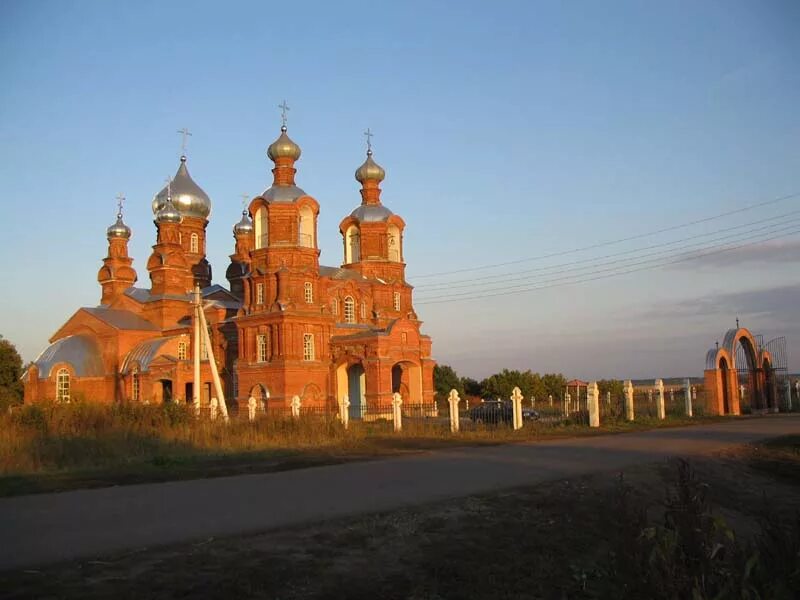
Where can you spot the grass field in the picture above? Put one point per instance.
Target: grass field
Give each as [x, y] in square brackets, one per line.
[54, 447]
[724, 526]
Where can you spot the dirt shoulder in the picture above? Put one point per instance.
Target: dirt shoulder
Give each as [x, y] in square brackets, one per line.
[546, 541]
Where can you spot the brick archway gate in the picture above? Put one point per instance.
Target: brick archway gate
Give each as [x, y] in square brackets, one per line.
[740, 375]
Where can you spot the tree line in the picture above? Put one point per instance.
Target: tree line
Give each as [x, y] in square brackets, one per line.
[500, 385]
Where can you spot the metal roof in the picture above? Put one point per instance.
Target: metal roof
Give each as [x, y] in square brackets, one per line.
[81, 352]
[144, 353]
[341, 274]
[371, 213]
[121, 319]
[282, 193]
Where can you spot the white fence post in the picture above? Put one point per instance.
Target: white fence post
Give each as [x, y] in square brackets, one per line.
[593, 404]
[214, 408]
[251, 408]
[296, 404]
[628, 389]
[660, 398]
[397, 414]
[567, 400]
[787, 386]
[516, 406]
[344, 411]
[687, 393]
[453, 400]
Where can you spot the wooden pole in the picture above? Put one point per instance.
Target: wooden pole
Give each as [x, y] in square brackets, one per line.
[196, 354]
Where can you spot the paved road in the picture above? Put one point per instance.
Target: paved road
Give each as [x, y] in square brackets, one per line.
[41, 529]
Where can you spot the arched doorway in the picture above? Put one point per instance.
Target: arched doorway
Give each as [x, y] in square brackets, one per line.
[770, 400]
[166, 390]
[407, 381]
[351, 381]
[747, 379]
[726, 402]
[261, 393]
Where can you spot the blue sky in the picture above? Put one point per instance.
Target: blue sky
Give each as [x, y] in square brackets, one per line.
[508, 131]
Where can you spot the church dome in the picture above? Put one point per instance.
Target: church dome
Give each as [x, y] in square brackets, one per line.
[370, 170]
[119, 229]
[188, 197]
[283, 147]
[371, 213]
[168, 213]
[243, 226]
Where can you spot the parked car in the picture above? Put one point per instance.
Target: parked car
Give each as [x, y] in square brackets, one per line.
[496, 411]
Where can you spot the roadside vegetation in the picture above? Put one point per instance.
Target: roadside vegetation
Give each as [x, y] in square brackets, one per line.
[48, 447]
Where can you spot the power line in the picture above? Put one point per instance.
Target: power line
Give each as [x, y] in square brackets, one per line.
[641, 262]
[612, 242]
[523, 274]
[578, 280]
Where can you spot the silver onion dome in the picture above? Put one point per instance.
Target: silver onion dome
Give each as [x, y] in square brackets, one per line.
[189, 198]
[370, 170]
[168, 213]
[283, 147]
[243, 226]
[118, 229]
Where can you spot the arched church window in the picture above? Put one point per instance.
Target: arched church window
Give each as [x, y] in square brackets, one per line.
[363, 310]
[194, 244]
[397, 300]
[349, 310]
[306, 228]
[335, 306]
[352, 246]
[262, 228]
[62, 385]
[181, 350]
[393, 241]
[308, 292]
[135, 384]
[308, 346]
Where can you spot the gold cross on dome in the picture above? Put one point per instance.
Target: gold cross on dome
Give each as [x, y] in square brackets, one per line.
[120, 202]
[245, 198]
[284, 108]
[369, 135]
[184, 134]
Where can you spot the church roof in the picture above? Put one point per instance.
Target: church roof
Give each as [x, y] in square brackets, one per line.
[81, 352]
[341, 274]
[143, 354]
[121, 319]
[282, 193]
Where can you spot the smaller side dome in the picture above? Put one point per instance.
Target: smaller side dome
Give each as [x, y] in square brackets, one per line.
[283, 147]
[243, 226]
[168, 213]
[118, 229]
[370, 170]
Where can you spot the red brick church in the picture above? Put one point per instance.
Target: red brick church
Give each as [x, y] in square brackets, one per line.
[285, 327]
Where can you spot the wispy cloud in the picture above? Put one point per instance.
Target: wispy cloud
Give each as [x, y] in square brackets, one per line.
[778, 304]
[777, 251]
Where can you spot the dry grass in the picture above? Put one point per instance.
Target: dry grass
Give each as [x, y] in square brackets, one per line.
[48, 447]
